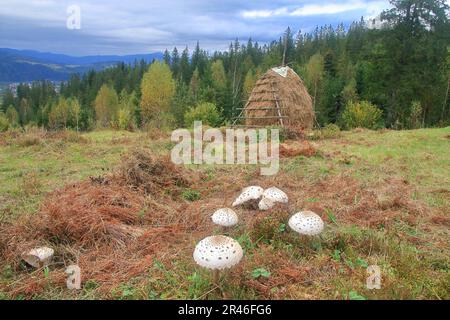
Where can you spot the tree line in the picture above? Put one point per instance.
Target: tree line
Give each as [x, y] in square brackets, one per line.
[401, 67]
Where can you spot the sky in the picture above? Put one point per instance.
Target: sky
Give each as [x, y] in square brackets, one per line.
[145, 26]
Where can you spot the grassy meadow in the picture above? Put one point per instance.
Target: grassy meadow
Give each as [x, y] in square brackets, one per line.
[384, 195]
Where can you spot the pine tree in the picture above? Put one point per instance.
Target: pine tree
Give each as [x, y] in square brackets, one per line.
[288, 43]
[8, 99]
[24, 111]
[175, 63]
[195, 83]
[166, 57]
[185, 68]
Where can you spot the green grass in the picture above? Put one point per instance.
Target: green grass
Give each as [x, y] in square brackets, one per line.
[422, 157]
[54, 164]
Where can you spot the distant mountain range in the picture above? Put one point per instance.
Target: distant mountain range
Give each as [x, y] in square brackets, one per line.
[29, 65]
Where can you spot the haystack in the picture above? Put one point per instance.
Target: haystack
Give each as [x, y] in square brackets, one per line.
[280, 98]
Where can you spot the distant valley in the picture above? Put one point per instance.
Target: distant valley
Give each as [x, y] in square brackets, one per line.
[29, 65]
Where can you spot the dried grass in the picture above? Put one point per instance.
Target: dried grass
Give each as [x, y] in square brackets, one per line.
[283, 272]
[354, 203]
[297, 148]
[28, 140]
[32, 136]
[91, 213]
[113, 227]
[150, 174]
[31, 185]
[296, 103]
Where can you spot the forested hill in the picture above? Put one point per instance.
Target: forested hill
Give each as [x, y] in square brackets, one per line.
[28, 65]
[401, 67]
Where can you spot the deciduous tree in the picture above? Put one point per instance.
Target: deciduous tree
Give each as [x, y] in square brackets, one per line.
[157, 88]
[106, 106]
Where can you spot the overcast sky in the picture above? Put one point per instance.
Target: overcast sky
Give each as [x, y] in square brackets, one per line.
[143, 26]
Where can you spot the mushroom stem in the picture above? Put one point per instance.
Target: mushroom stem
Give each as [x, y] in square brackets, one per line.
[216, 277]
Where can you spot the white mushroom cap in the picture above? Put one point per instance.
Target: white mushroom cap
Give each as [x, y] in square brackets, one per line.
[39, 257]
[225, 217]
[249, 193]
[270, 197]
[306, 223]
[275, 195]
[265, 204]
[218, 252]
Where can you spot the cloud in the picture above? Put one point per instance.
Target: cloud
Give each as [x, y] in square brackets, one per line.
[317, 9]
[265, 13]
[139, 26]
[310, 10]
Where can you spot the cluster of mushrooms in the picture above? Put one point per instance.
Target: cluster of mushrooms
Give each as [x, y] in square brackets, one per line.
[222, 252]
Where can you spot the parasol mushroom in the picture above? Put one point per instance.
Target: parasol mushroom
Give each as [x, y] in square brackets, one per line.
[270, 197]
[38, 257]
[265, 204]
[306, 223]
[250, 196]
[225, 217]
[217, 253]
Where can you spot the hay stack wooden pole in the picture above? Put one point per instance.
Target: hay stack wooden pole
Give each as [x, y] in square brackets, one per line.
[276, 102]
[279, 98]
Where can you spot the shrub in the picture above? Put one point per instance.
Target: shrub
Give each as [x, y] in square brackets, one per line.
[125, 120]
[415, 115]
[330, 131]
[28, 140]
[31, 136]
[160, 126]
[361, 114]
[71, 136]
[4, 123]
[205, 112]
[13, 116]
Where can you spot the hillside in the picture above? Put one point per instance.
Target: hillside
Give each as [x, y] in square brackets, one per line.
[28, 65]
